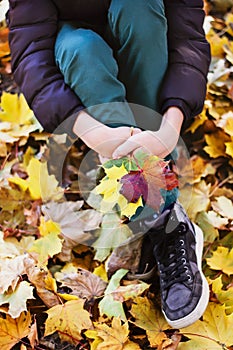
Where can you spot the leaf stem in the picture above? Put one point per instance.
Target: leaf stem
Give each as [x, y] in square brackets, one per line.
[220, 184]
[224, 347]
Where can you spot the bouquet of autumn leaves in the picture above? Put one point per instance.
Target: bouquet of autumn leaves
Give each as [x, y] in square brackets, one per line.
[132, 182]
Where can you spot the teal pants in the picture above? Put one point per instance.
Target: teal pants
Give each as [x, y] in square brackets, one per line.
[120, 65]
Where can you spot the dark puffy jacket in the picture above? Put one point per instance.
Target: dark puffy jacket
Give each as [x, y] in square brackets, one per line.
[33, 28]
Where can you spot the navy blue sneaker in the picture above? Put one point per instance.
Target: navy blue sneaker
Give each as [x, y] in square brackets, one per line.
[177, 249]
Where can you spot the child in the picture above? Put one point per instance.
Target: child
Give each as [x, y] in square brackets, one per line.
[83, 61]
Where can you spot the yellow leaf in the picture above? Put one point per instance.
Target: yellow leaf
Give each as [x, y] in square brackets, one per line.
[224, 296]
[91, 334]
[17, 300]
[211, 333]
[40, 184]
[101, 272]
[46, 247]
[69, 320]
[23, 184]
[109, 187]
[222, 260]
[15, 109]
[47, 227]
[196, 198]
[115, 173]
[229, 148]
[198, 121]
[216, 43]
[150, 319]
[216, 144]
[129, 209]
[13, 330]
[114, 337]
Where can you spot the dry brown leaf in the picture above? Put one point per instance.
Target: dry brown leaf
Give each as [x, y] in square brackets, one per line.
[83, 283]
[38, 277]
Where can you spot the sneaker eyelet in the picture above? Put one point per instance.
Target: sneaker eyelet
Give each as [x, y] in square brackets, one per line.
[184, 261]
[181, 242]
[182, 228]
[189, 278]
[183, 251]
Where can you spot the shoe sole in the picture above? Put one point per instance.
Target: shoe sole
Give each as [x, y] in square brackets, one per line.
[204, 300]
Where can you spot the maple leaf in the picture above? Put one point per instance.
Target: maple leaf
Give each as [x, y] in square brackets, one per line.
[210, 232]
[223, 206]
[41, 279]
[195, 198]
[130, 291]
[224, 296]
[69, 320]
[216, 144]
[108, 306]
[111, 234]
[10, 272]
[15, 109]
[40, 184]
[214, 332]
[13, 330]
[83, 283]
[229, 148]
[114, 337]
[150, 319]
[46, 247]
[17, 299]
[74, 224]
[222, 259]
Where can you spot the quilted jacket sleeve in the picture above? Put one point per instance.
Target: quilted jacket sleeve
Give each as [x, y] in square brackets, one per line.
[184, 85]
[33, 28]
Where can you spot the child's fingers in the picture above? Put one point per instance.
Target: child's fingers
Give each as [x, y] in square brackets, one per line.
[127, 147]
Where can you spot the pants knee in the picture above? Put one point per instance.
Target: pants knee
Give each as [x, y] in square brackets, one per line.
[147, 18]
[79, 46]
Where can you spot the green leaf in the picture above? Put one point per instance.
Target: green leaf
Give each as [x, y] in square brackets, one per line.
[112, 233]
[108, 306]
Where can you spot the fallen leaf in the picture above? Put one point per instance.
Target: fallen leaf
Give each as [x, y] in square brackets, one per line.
[131, 291]
[13, 330]
[33, 335]
[69, 320]
[224, 296]
[11, 270]
[147, 317]
[111, 234]
[210, 232]
[222, 259]
[211, 333]
[223, 206]
[39, 278]
[40, 184]
[114, 337]
[216, 144]
[83, 283]
[17, 299]
[108, 306]
[15, 109]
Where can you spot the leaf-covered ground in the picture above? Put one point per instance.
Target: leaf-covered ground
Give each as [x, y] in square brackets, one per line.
[54, 291]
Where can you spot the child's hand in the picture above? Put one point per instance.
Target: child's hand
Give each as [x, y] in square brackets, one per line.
[99, 137]
[159, 143]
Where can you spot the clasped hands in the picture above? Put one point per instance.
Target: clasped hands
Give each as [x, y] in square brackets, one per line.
[119, 142]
